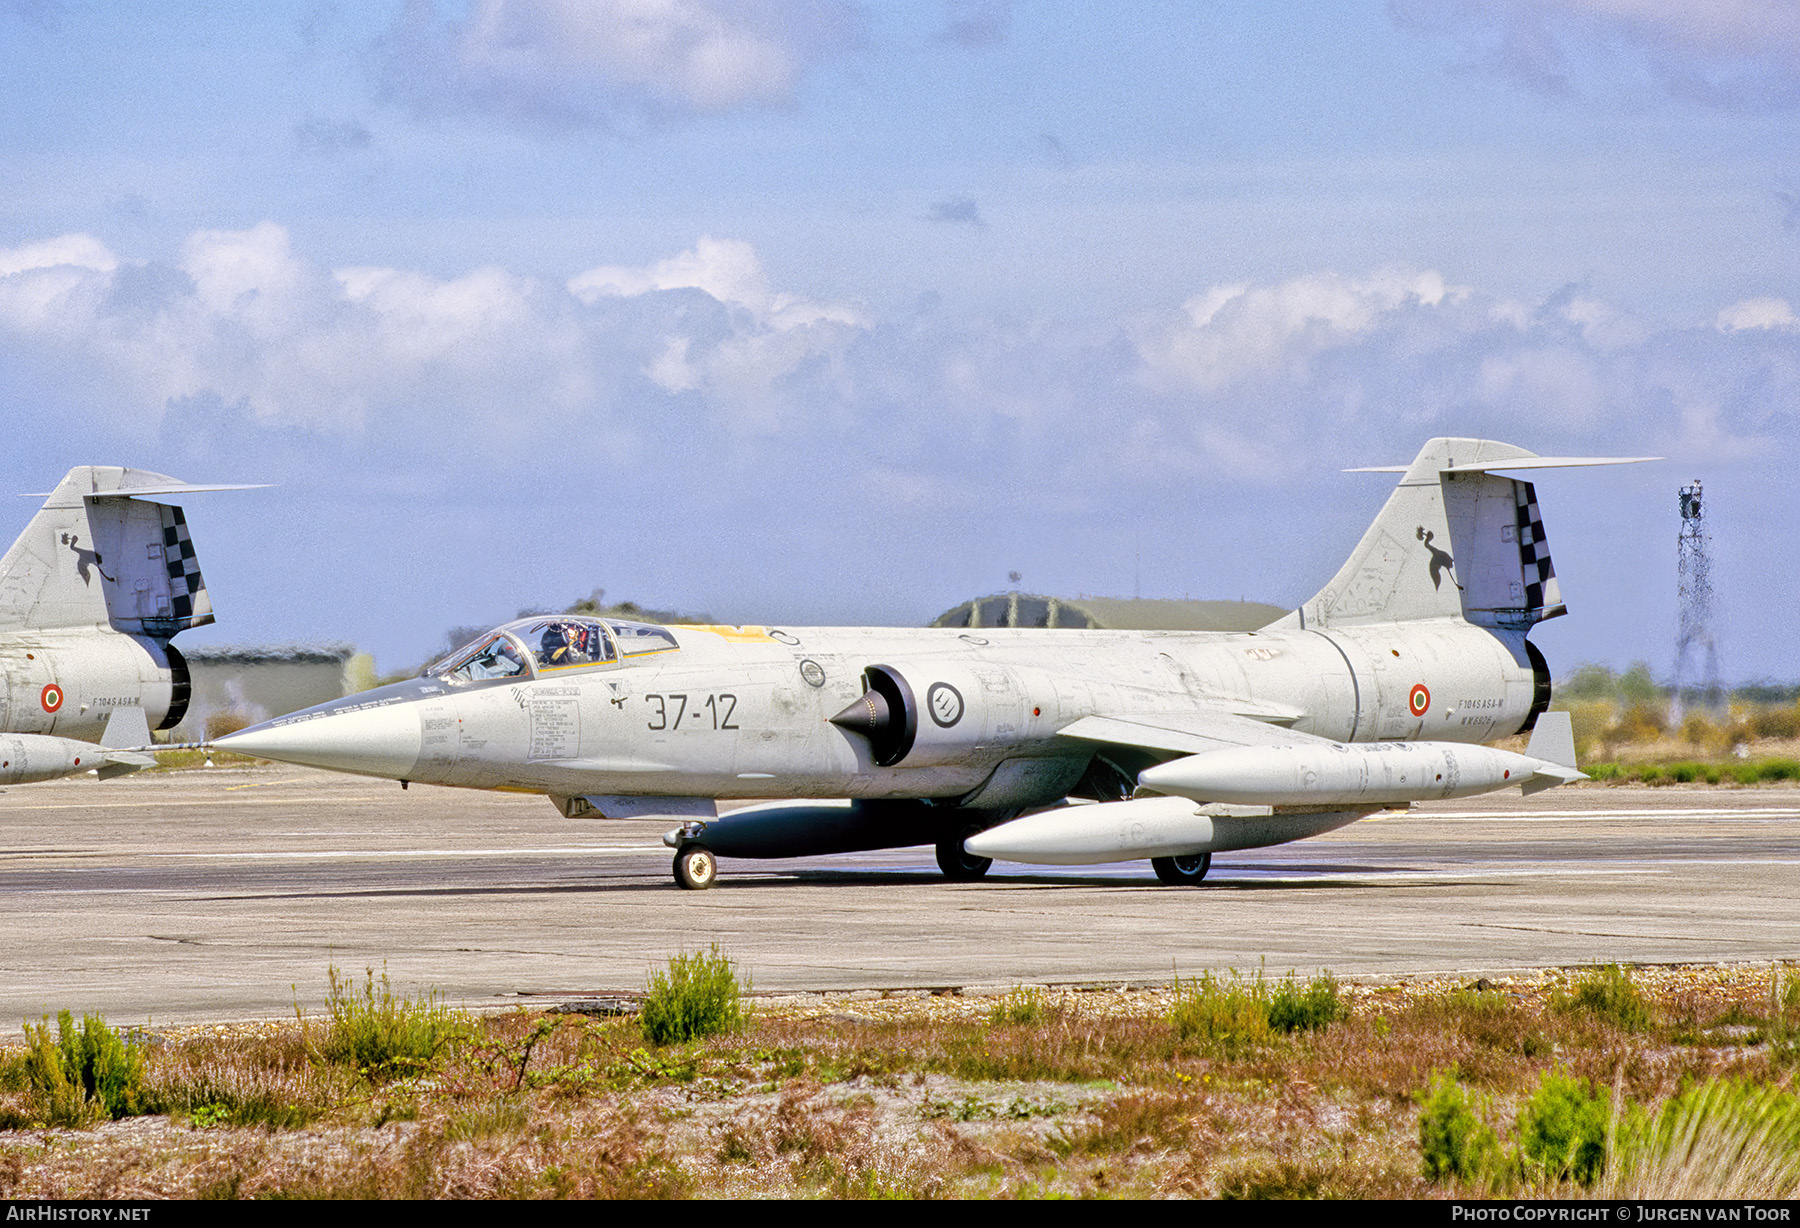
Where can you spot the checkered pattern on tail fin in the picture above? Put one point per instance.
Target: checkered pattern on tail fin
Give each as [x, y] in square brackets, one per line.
[1534, 551]
[186, 588]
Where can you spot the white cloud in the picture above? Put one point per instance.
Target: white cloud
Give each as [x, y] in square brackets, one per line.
[726, 269]
[1249, 377]
[1240, 331]
[578, 60]
[245, 320]
[76, 251]
[1757, 313]
[774, 334]
[42, 282]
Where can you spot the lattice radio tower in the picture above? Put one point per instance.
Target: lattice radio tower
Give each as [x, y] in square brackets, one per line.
[1696, 654]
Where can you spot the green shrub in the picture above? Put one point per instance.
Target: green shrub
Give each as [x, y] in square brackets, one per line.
[698, 996]
[382, 1035]
[1454, 1139]
[1562, 1131]
[84, 1073]
[1607, 993]
[1318, 1005]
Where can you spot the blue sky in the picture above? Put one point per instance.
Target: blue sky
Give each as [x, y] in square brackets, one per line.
[816, 311]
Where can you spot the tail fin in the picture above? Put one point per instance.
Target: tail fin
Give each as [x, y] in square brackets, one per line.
[1453, 541]
[99, 553]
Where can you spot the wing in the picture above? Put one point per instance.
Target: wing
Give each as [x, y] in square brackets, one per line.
[1189, 733]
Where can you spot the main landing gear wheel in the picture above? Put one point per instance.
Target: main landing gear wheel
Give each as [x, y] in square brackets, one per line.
[958, 864]
[696, 868]
[1182, 871]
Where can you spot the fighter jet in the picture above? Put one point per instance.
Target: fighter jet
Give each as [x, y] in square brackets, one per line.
[91, 595]
[1043, 747]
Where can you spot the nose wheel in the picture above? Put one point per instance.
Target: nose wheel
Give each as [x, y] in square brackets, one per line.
[696, 868]
[1182, 871]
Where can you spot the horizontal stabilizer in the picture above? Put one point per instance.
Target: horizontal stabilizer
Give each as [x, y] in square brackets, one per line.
[1519, 458]
[1553, 462]
[164, 488]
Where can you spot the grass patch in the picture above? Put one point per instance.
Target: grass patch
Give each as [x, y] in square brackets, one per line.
[1725, 1139]
[1022, 1007]
[1234, 1014]
[699, 995]
[1729, 771]
[1317, 1004]
[381, 1034]
[1425, 1089]
[1227, 1014]
[1607, 993]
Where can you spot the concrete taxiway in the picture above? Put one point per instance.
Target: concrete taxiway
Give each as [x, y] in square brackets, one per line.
[227, 893]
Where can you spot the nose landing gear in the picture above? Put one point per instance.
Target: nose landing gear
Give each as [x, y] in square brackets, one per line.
[696, 868]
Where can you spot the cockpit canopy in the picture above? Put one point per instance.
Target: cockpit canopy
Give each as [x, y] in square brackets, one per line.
[550, 644]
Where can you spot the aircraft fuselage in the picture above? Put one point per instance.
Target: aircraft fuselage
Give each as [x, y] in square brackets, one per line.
[747, 713]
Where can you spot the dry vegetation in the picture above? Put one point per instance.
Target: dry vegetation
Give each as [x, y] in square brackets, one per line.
[1223, 1087]
[1628, 729]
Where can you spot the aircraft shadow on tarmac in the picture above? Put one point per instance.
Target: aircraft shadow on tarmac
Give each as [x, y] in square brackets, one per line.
[1327, 879]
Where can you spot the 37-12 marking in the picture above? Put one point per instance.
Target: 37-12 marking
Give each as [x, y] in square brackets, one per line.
[672, 709]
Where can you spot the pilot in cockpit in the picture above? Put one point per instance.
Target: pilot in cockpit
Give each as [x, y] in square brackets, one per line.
[554, 649]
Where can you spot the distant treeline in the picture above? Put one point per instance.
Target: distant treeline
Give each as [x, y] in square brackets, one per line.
[1637, 685]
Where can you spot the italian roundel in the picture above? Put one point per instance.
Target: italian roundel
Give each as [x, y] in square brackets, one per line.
[51, 697]
[1420, 699]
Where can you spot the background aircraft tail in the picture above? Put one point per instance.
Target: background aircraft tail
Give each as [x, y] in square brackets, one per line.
[100, 553]
[1454, 540]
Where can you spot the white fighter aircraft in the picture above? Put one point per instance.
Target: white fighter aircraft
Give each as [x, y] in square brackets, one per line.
[90, 596]
[1049, 747]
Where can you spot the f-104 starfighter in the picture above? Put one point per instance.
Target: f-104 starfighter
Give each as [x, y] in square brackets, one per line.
[1035, 746]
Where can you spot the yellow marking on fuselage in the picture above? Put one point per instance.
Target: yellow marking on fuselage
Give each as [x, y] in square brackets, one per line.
[737, 635]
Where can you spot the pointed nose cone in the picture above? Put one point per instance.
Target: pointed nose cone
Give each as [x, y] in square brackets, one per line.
[380, 740]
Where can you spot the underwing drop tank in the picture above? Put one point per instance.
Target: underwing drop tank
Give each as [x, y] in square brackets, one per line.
[1339, 774]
